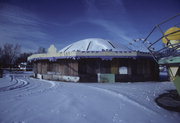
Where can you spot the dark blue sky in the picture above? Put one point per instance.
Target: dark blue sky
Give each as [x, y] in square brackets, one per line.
[34, 23]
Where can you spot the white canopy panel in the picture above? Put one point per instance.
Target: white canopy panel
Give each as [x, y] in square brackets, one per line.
[95, 44]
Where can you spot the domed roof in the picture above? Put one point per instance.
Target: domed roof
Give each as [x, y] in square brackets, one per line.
[94, 44]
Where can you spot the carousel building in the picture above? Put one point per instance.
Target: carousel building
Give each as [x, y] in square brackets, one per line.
[95, 60]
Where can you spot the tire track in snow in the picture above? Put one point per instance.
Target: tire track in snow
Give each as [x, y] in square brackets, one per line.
[25, 86]
[40, 87]
[5, 81]
[125, 98]
[18, 84]
[8, 86]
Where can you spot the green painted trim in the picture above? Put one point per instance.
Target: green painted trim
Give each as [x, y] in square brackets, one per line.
[169, 60]
[106, 78]
[177, 83]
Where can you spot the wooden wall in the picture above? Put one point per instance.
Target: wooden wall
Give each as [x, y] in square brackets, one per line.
[87, 69]
[94, 66]
[141, 69]
[60, 67]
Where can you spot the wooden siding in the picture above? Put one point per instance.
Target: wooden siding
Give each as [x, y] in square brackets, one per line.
[87, 69]
[35, 68]
[114, 66]
[61, 67]
[64, 67]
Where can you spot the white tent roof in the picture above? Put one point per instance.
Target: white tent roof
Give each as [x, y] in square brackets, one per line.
[94, 44]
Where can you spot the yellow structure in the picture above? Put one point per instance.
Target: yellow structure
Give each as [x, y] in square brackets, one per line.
[172, 36]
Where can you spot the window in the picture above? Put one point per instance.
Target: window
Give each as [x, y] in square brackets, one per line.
[123, 70]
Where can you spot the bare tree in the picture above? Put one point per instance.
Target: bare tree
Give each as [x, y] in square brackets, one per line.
[41, 50]
[22, 58]
[10, 53]
[1, 54]
[1, 71]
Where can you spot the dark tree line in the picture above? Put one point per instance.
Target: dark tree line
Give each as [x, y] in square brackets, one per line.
[8, 54]
[41, 50]
[11, 56]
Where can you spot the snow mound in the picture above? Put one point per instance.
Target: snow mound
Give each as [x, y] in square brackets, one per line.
[94, 44]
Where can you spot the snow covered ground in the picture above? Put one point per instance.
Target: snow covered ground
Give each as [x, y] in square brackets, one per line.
[27, 100]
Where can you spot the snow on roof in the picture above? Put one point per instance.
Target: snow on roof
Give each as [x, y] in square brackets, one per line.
[94, 44]
[90, 48]
[105, 55]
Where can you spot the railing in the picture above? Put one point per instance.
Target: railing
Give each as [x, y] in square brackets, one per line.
[155, 47]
